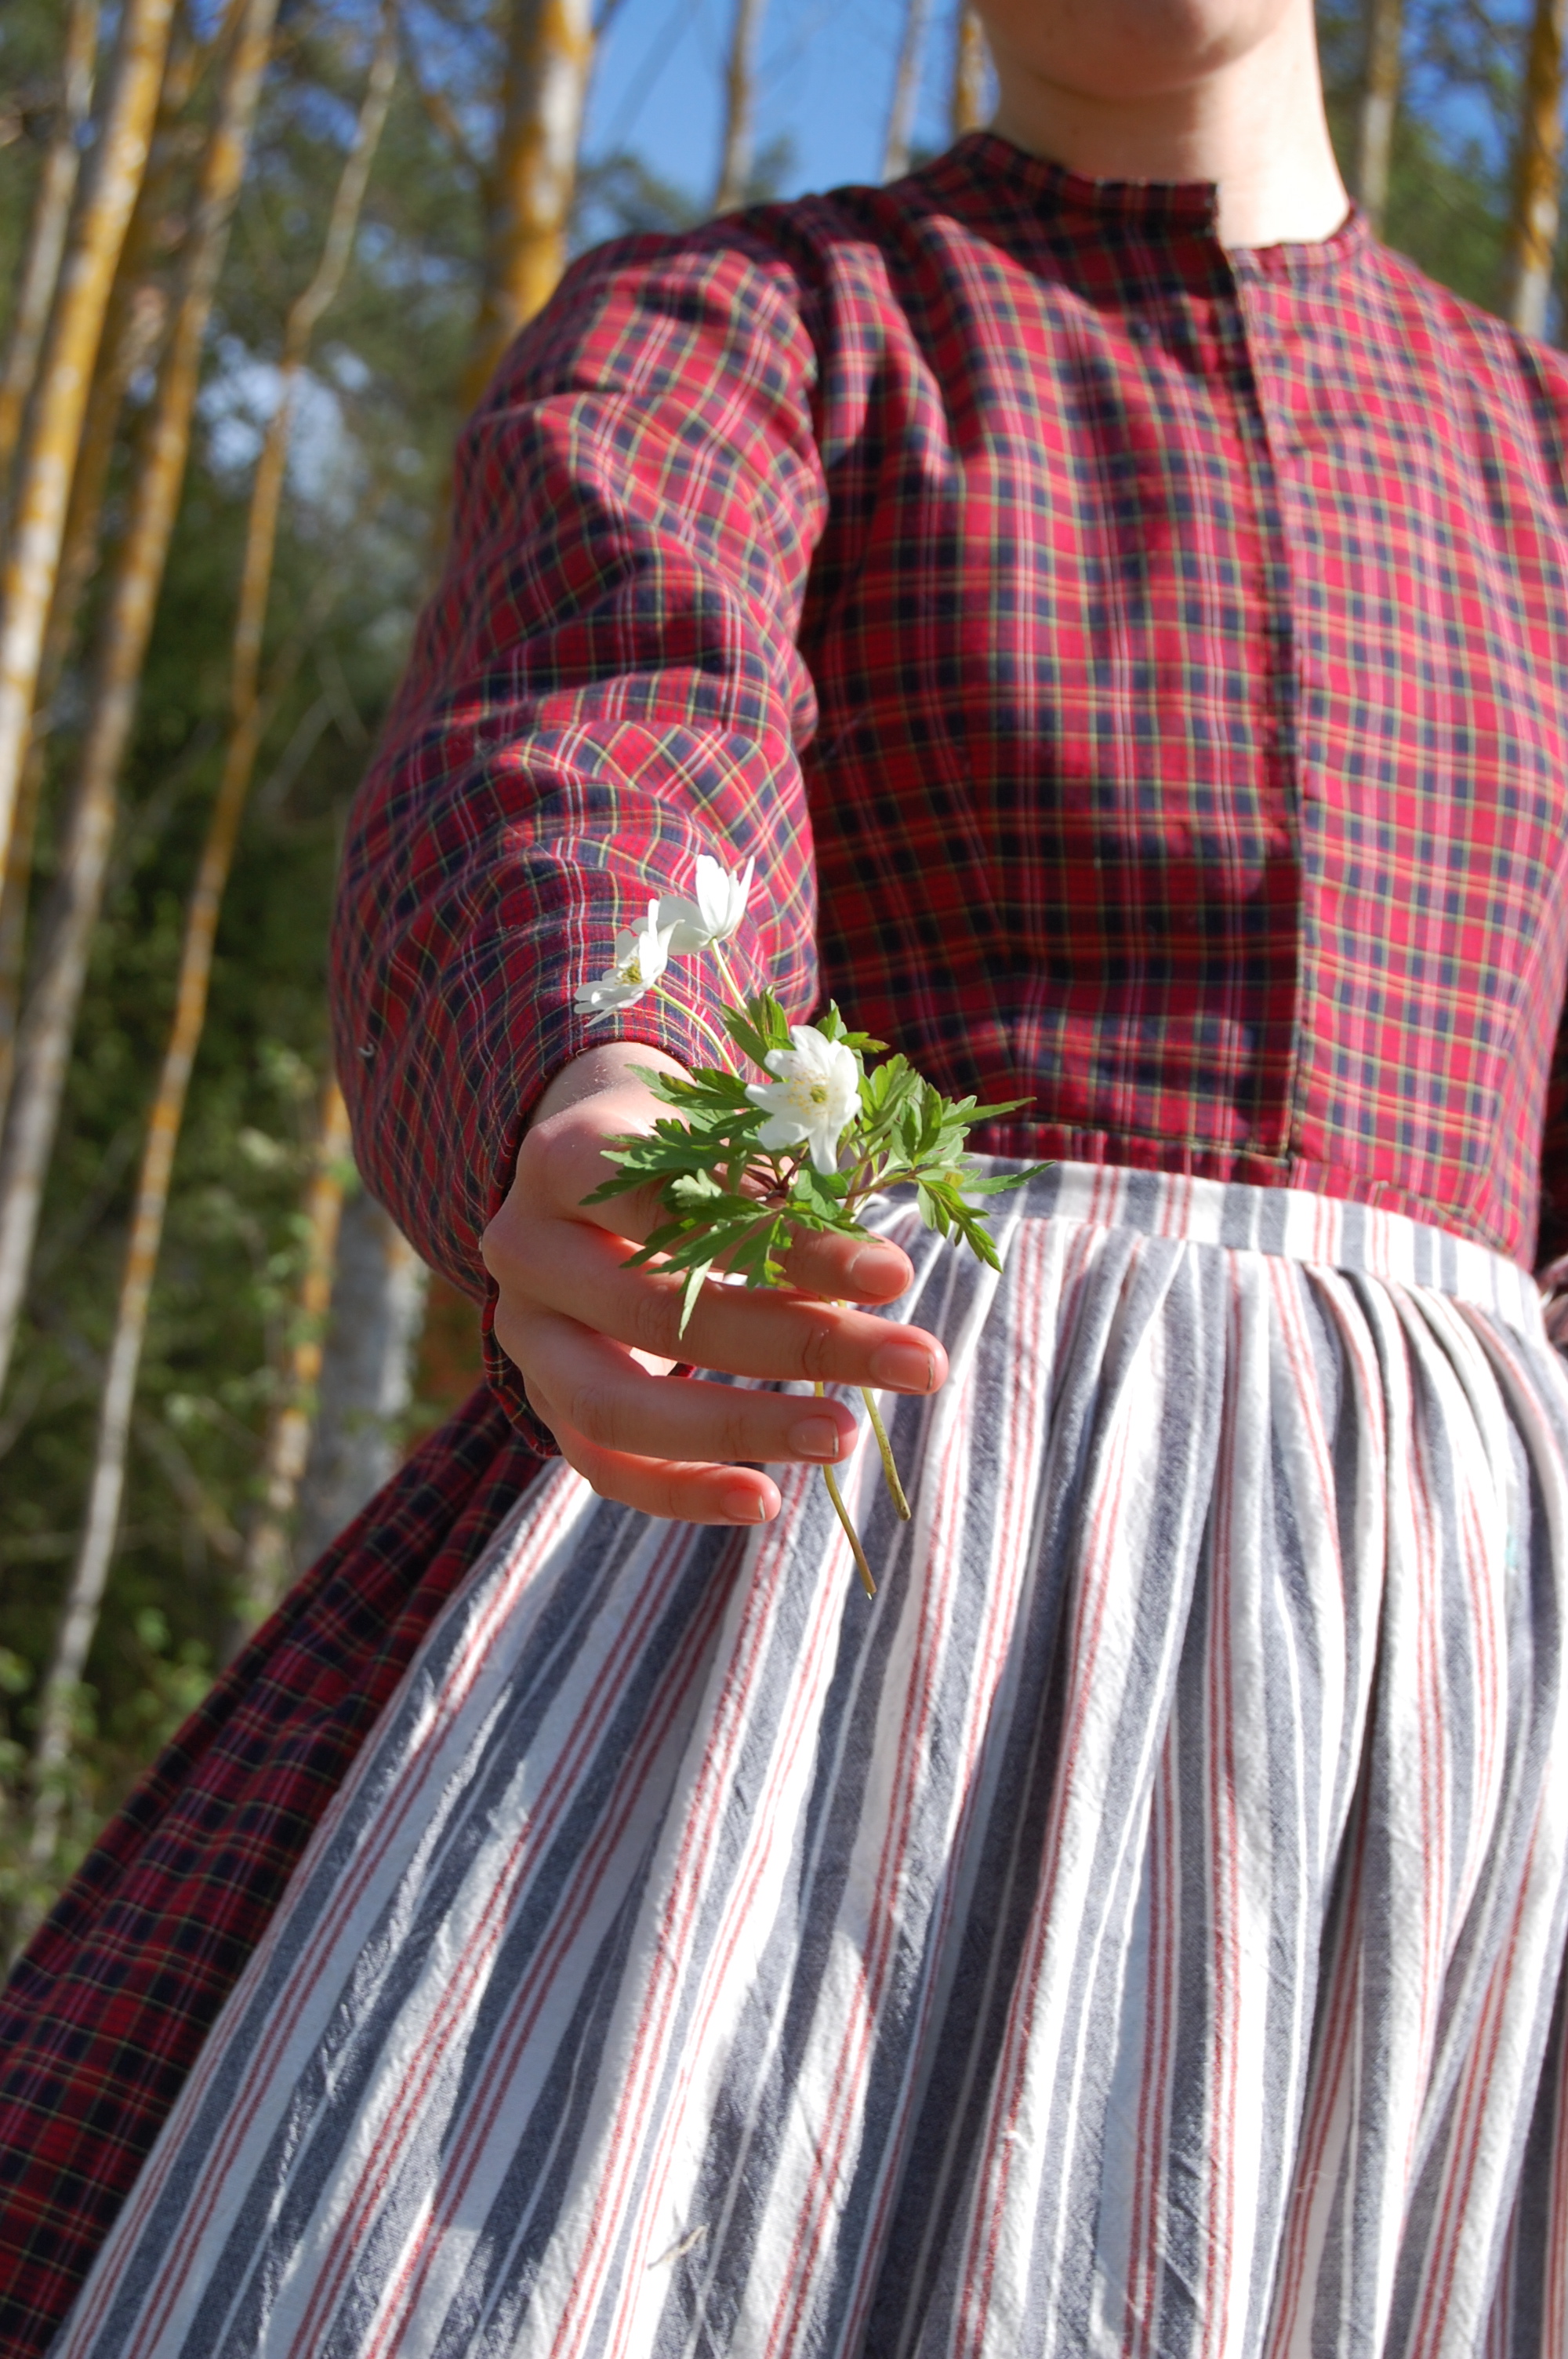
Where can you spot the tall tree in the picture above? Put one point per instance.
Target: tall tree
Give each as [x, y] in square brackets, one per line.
[246, 719]
[1538, 169]
[48, 461]
[905, 90]
[738, 145]
[132, 332]
[47, 1021]
[268, 1566]
[51, 215]
[1379, 104]
[378, 1301]
[528, 189]
[969, 63]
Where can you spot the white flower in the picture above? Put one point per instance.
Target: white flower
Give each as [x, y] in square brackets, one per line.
[814, 1097]
[642, 954]
[715, 913]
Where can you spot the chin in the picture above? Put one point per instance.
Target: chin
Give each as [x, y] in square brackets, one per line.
[1126, 49]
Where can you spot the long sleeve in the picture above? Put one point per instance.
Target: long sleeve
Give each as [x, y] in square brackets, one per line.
[1552, 1238]
[606, 684]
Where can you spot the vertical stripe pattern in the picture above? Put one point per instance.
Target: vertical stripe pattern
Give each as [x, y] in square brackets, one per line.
[1136, 1932]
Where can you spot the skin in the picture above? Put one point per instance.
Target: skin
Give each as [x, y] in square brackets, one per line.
[1225, 91]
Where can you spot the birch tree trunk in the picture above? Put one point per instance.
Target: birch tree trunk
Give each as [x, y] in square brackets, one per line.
[267, 1568]
[247, 722]
[970, 75]
[549, 56]
[133, 334]
[378, 1298]
[45, 231]
[1379, 104]
[1532, 239]
[738, 150]
[48, 462]
[49, 1019]
[132, 346]
[905, 90]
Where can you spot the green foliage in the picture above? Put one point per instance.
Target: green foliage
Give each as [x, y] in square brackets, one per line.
[362, 536]
[736, 1206]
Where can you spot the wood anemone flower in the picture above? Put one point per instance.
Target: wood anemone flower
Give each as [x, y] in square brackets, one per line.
[715, 913]
[642, 954]
[813, 1100]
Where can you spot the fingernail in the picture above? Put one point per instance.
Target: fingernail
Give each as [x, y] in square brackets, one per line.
[903, 1367]
[815, 1437]
[875, 1262]
[743, 1507]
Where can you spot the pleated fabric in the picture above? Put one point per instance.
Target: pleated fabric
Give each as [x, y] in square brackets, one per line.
[1138, 1931]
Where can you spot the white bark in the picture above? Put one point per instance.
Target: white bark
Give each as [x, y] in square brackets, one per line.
[51, 216]
[739, 147]
[48, 461]
[906, 91]
[367, 1375]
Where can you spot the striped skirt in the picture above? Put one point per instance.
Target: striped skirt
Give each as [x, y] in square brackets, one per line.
[1137, 1932]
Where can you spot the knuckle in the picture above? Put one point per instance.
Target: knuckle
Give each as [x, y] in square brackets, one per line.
[735, 1438]
[816, 1351]
[656, 1313]
[592, 1411]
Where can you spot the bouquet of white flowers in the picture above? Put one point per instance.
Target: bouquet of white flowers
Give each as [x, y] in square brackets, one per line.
[742, 1166]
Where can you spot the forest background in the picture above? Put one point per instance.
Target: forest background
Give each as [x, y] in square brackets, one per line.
[173, 1445]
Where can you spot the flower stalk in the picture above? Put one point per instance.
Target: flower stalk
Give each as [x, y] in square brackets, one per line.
[743, 1168]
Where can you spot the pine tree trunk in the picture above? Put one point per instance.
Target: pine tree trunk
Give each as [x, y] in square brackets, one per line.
[108, 1482]
[268, 1564]
[1379, 104]
[529, 190]
[905, 90]
[738, 150]
[48, 462]
[970, 75]
[46, 231]
[49, 1019]
[1538, 169]
[377, 1301]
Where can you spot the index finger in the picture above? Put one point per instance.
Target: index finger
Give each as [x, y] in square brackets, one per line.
[572, 1164]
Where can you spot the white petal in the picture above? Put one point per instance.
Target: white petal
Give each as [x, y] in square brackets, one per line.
[683, 921]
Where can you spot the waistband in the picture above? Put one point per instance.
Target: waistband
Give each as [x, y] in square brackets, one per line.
[1290, 1221]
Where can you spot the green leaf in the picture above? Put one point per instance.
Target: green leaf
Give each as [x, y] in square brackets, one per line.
[692, 1289]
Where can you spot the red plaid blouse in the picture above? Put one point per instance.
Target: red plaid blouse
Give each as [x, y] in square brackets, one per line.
[1141, 673]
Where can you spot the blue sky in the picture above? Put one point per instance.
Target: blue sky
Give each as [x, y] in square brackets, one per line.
[824, 81]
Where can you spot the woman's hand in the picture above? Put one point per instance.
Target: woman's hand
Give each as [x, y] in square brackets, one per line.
[594, 1341]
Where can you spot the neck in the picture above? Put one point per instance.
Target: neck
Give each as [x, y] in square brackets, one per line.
[1254, 126]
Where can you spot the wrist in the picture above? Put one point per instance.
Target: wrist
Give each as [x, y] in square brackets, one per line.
[610, 1066]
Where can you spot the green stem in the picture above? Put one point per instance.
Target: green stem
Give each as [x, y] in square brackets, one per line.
[729, 985]
[853, 1537]
[890, 1467]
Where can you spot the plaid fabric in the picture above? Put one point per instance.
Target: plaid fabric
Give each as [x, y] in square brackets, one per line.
[1152, 661]
[1133, 1936]
[101, 2019]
